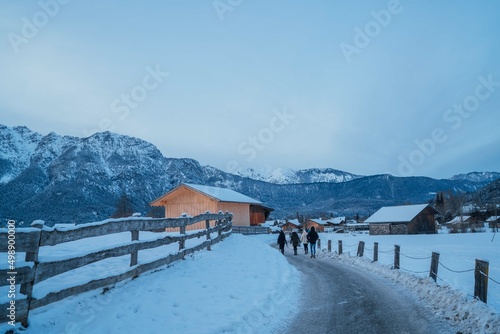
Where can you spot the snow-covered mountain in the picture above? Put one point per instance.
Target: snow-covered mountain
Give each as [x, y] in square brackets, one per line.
[17, 145]
[69, 179]
[292, 176]
[477, 177]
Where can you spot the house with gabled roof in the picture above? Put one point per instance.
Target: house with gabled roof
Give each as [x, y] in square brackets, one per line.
[403, 219]
[195, 199]
[291, 224]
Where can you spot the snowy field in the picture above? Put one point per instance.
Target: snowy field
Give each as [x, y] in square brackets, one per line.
[452, 296]
[457, 256]
[241, 286]
[245, 286]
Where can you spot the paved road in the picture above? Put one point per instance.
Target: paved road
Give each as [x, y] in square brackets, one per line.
[338, 298]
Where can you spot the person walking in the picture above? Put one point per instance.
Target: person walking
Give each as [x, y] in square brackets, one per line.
[312, 237]
[282, 241]
[303, 240]
[295, 241]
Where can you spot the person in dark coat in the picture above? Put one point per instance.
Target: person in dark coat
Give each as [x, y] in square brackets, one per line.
[312, 237]
[295, 241]
[282, 241]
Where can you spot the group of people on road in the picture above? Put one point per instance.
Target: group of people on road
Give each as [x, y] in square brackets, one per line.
[308, 238]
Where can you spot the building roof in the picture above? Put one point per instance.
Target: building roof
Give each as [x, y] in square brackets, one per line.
[493, 218]
[459, 219]
[293, 222]
[223, 194]
[319, 221]
[336, 221]
[397, 214]
[219, 194]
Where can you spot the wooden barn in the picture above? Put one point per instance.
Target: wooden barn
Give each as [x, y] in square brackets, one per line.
[194, 199]
[319, 224]
[291, 224]
[405, 219]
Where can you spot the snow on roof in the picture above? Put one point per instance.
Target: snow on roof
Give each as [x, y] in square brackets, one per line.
[336, 221]
[293, 221]
[493, 218]
[393, 214]
[457, 219]
[223, 194]
[319, 221]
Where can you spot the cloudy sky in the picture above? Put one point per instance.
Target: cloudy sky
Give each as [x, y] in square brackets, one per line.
[369, 87]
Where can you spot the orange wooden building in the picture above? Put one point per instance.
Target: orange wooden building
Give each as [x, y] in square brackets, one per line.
[194, 199]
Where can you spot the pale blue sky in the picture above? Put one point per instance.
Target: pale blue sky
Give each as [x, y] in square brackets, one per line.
[264, 84]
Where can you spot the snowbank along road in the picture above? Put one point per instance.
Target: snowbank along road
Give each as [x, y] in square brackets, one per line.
[337, 298]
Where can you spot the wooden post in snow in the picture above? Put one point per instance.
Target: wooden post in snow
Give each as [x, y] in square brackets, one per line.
[340, 247]
[329, 245]
[361, 248]
[481, 273]
[207, 225]
[375, 251]
[396, 256]
[134, 255]
[433, 273]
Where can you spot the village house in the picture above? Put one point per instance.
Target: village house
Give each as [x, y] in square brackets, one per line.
[335, 224]
[404, 219]
[291, 224]
[463, 224]
[318, 224]
[195, 199]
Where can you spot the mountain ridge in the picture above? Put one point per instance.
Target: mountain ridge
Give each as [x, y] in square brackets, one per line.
[70, 179]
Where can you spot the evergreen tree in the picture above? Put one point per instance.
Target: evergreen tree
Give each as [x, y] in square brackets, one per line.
[124, 207]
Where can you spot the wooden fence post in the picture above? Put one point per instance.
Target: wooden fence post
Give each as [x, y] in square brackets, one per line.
[27, 288]
[207, 225]
[340, 247]
[329, 246]
[361, 248]
[481, 273]
[133, 255]
[433, 273]
[319, 243]
[182, 241]
[396, 256]
[375, 251]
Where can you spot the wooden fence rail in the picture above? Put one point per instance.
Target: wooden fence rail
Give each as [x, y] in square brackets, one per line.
[31, 240]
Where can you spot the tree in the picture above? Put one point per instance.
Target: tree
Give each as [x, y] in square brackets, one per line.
[124, 207]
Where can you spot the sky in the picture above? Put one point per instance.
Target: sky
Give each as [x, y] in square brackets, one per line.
[402, 87]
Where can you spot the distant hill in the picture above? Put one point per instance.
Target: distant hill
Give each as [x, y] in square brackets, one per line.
[69, 179]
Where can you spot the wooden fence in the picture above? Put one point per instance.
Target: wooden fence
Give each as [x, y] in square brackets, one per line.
[30, 240]
[251, 229]
[481, 269]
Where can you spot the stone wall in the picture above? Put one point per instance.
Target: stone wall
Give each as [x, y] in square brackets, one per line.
[379, 229]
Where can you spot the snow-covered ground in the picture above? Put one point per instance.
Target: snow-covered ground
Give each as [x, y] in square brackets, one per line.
[245, 286]
[452, 296]
[241, 286]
